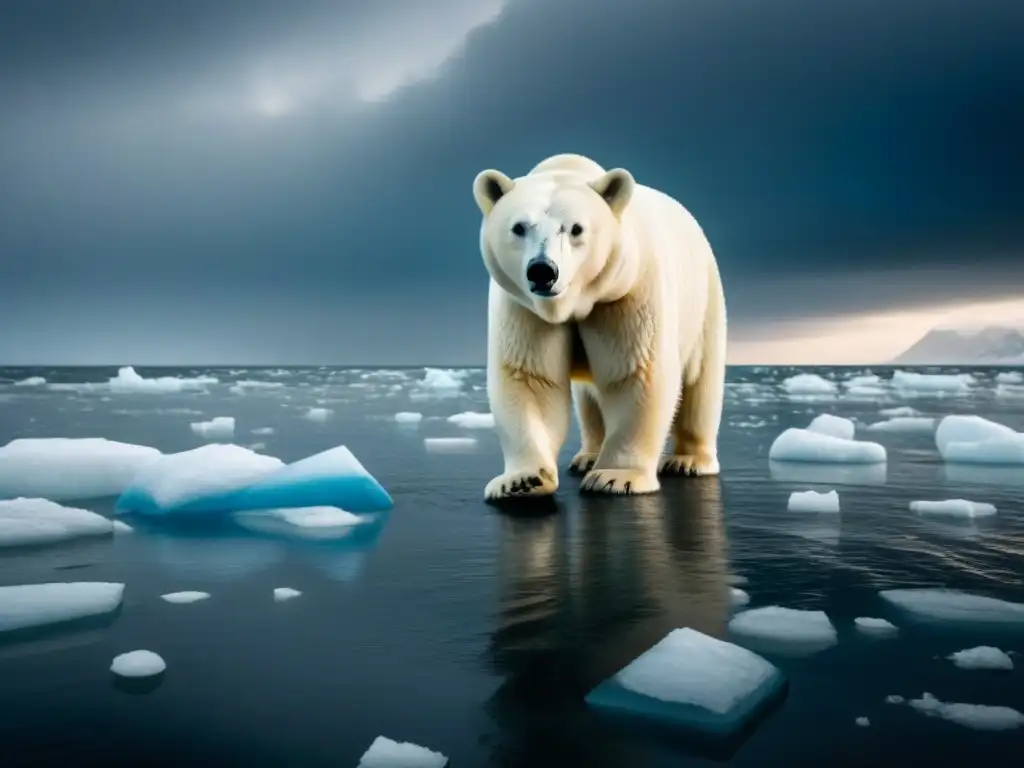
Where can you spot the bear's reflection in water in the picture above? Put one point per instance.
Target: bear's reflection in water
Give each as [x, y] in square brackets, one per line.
[583, 593]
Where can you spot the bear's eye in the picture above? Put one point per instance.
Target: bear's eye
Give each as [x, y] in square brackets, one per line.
[576, 230]
[519, 229]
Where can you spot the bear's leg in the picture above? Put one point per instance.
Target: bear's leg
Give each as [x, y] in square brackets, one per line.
[532, 417]
[638, 415]
[588, 411]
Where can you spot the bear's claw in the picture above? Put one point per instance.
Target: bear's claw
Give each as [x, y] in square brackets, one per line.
[618, 482]
[689, 465]
[582, 462]
[539, 482]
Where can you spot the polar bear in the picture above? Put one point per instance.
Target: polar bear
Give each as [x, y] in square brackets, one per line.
[605, 292]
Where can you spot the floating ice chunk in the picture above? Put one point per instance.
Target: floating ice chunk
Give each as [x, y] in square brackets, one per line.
[245, 386]
[137, 664]
[738, 597]
[904, 424]
[953, 508]
[322, 523]
[693, 681]
[37, 605]
[316, 517]
[808, 384]
[1009, 390]
[901, 412]
[183, 598]
[982, 657]
[33, 522]
[218, 428]
[408, 417]
[449, 444]
[932, 383]
[472, 420]
[980, 717]
[863, 722]
[31, 381]
[812, 501]
[385, 753]
[128, 381]
[319, 415]
[968, 429]
[875, 627]
[1010, 377]
[61, 468]
[806, 446]
[894, 699]
[864, 380]
[438, 378]
[787, 631]
[974, 440]
[866, 393]
[121, 527]
[285, 593]
[1008, 452]
[833, 426]
[263, 431]
[948, 605]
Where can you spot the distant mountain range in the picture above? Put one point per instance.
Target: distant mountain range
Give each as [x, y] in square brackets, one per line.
[989, 346]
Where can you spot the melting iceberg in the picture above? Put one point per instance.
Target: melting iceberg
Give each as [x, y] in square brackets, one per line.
[695, 682]
[229, 478]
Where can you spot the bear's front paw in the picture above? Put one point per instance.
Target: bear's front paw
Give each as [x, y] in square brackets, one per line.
[690, 465]
[517, 485]
[619, 482]
[582, 462]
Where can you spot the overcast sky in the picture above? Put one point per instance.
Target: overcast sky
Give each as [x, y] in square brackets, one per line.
[253, 181]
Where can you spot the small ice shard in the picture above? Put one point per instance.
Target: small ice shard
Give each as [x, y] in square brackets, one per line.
[217, 428]
[35, 522]
[786, 631]
[875, 627]
[863, 722]
[62, 468]
[893, 698]
[385, 753]
[38, 605]
[303, 522]
[472, 420]
[285, 593]
[408, 417]
[974, 440]
[904, 424]
[137, 664]
[802, 445]
[184, 598]
[449, 444]
[318, 415]
[695, 682]
[932, 383]
[812, 501]
[737, 597]
[953, 606]
[982, 657]
[31, 381]
[804, 384]
[833, 426]
[980, 717]
[953, 508]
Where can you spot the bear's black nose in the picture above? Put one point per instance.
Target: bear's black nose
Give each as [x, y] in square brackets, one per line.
[541, 274]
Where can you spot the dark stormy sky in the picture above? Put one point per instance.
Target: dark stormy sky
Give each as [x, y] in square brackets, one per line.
[255, 181]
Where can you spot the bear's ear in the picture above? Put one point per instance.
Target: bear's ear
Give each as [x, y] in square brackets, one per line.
[489, 187]
[616, 187]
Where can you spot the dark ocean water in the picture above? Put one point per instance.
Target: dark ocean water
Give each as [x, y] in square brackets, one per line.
[478, 634]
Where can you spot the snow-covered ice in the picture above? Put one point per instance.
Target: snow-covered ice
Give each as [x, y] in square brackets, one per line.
[472, 420]
[62, 468]
[955, 607]
[786, 631]
[228, 478]
[408, 417]
[982, 657]
[285, 593]
[812, 501]
[980, 717]
[36, 605]
[953, 508]
[449, 444]
[804, 384]
[692, 681]
[217, 428]
[137, 664]
[833, 426]
[904, 424]
[33, 522]
[875, 627]
[802, 445]
[183, 598]
[974, 440]
[318, 415]
[909, 383]
[385, 753]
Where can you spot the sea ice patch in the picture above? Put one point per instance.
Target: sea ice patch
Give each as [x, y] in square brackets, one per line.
[863, 722]
[408, 417]
[217, 428]
[472, 420]
[980, 717]
[802, 445]
[35, 522]
[875, 627]
[323, 523]
[385, 753]
[137, 664]
[953, 508]
[37, 605]
[809, 384]
[974, 440]
[982, 657]
[184, 598]
[318, 415]
[955, 607]
[62, 468]
[833, 426]
[285, 593]
[692, 681]
[812, 501]
[786, 631]
[911, 383]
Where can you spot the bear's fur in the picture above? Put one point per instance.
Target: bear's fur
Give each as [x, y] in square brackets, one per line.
[633, 329]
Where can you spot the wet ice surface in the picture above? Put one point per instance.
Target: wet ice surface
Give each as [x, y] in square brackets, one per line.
[477, 635]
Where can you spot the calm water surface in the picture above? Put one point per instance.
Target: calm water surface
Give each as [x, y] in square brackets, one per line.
[477, 634]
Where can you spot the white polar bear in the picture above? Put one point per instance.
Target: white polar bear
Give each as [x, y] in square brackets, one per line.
[605, 291]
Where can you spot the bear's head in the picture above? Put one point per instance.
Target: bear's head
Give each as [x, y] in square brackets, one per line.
[554, 242]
